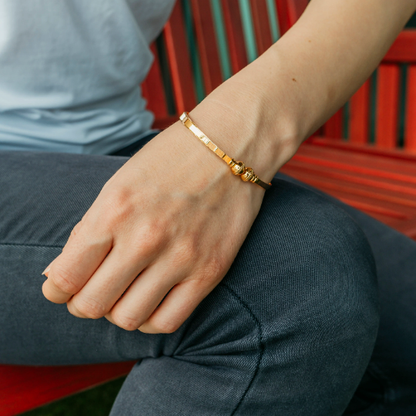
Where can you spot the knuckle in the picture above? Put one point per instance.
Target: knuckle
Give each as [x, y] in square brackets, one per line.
[163, 326]
[73, 310]
[214, 269]
[118, 206]
[76, 229]
[125, 322]
[186, 251]
[150, 238]
[216, 265]
[64, 279]
[152, 233]
[89, 308]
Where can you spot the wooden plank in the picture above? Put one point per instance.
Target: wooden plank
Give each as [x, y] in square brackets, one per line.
[152, 88]
[380, 178]
[407, 227]
[346, 182]
[387, 106]
[261, 23]
[410, 129]
[283, 16]
[207, 45]
[391, 211]
[288, 12]
[179, 61]
[164, 123]
[394, 198]
[397, 154]
[359, 123]
[235, 34]
[297, 7]
[23, 388]
[333, 128]
[403, 49]
[349, 183]
[369, 165]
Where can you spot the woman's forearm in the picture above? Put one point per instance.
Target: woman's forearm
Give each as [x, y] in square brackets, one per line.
[264, 112]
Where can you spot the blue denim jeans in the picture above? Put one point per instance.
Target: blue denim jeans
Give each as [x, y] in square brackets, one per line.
[293, 329]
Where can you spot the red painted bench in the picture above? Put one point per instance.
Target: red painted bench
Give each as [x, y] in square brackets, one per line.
[378, 178]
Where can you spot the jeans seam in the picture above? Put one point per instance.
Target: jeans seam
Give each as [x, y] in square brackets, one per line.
[31, 245]
[260, 344]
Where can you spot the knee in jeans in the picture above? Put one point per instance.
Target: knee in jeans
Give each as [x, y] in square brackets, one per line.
[335, 272]
[306, 260]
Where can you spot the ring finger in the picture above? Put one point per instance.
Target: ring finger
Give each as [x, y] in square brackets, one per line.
[144, 295]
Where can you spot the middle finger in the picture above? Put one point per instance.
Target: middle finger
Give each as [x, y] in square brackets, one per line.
[108, 283]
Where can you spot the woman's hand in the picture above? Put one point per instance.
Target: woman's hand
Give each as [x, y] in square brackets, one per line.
[160, 236]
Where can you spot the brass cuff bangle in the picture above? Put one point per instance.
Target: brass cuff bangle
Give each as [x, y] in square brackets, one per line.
[237, 168]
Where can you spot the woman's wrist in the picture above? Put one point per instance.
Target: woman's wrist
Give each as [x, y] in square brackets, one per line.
[238, 121]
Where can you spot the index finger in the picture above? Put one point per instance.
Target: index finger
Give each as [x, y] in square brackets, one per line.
[71, 270]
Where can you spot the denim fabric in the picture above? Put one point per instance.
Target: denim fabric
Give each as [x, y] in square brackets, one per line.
[388, 387]
[289, 331]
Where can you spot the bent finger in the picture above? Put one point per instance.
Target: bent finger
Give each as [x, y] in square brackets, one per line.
[143, 296]
[176, 308]
[69, 272]
[53, 293]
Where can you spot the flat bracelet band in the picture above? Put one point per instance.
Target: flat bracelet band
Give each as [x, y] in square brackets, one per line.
[237, 168]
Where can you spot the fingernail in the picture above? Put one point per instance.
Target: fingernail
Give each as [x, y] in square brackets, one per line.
[46, 271]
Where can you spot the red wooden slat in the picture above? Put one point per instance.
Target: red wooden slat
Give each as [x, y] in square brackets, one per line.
[180, 64]
[333, 128]
[261, 23]
[206, 39]
[359, 130]
[407, 227]
[389, 178]
[380, 167]
[234, 29]
[152, 89]
[388, 210]
[398, 154]
[403, 49]
[387, 106]
[288, 12]
[410, 130]
[395, 200]
[24, 388]
[298, 7]
[350, 176]
[355, 184]
[283, 16]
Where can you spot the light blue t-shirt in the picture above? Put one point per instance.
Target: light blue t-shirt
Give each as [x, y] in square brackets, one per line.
[70, 72]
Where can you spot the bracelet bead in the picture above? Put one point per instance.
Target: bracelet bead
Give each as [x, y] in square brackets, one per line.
[247, 175]
[238, 169]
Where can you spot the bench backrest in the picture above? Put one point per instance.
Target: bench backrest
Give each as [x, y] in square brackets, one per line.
[383, 111]
[205, 42]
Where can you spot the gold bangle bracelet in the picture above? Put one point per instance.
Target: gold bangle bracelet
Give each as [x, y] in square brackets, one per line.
[237, 168]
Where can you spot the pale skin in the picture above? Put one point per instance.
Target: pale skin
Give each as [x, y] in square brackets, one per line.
[173, 218]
